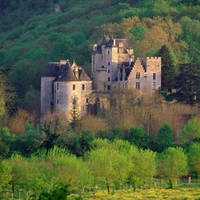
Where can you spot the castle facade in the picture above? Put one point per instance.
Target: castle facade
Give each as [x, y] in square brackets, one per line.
[113, 67]
[61, 84]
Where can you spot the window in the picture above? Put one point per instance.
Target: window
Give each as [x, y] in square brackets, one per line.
[154, 76]
[108, 63]
[57, 86]
[108, 70]
[102, 66]
[108, 52]
[83, 87]
[87, 100]
[57, 101]
[137, 75]
[138, 85]
[74, 87]
[109, 87]
[108, 79]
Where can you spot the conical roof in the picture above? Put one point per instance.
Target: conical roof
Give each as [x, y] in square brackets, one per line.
[66, 74]
[72, 72]
[83, 76]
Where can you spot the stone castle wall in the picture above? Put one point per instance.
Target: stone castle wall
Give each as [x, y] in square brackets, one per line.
[46, 94]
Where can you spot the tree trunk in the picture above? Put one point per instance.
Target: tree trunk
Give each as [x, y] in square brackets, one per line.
[171, 184]
[13, 187]
[108, 188]
[134, 186]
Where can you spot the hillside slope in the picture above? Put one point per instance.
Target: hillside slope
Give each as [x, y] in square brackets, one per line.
[32, 33]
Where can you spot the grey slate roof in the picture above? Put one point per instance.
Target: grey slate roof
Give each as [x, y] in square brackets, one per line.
[110, 42]
[83, 76]
[52, 69]
[65, 72]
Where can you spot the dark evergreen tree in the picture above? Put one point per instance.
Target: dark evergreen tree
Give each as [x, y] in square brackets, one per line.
[168, 69]
[138, 137]
[75, 113]
[187, 83]
[51, 130]
[79, 143]
[164, 137]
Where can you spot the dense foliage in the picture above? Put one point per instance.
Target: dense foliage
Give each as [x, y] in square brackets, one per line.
[32, 33]
[108, 164]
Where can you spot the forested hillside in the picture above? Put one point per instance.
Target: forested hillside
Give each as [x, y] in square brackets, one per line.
[137, 137]
[32, 33]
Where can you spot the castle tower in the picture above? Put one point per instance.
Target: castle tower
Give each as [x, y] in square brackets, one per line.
[106, 57]
[113, 66]
[70, 82]
[47, 95]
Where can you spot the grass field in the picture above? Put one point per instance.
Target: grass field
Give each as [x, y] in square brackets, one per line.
[175, 194]
[155, 190]
[142, 194]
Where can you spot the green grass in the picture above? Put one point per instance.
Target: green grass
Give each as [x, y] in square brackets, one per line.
[140, 194]
[156, 191]
[170, 194]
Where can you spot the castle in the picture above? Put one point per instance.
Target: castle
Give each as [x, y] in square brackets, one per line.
[113, 67]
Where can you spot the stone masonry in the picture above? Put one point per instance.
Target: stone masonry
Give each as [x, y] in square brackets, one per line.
[113, 67]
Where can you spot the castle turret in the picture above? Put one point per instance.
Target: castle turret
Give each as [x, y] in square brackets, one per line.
[68, 82]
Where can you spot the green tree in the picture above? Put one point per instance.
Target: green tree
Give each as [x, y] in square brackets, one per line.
[172, 164]
[20, 171]
[108, 165]
[59, 192]
[138, 32]
[51, 129]
[191, 36]
[187, 83]
[62, 47]
[117, 132]
[138, 137]
[40, 174]
[28, 142]
[5, 141]
[68, 169]
[164, 136]
[168, 69]
[74, 113]
[81, 142]
[194, 158]
[144, 166]
[6, 98]
[191, 130]
[5, 174]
